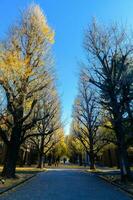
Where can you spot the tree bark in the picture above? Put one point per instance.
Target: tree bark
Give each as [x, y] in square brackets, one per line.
[80, 160]
[126, 174]
[12, 152]
[92, 160]
[40, 162]
[41, 154]
[91, 153]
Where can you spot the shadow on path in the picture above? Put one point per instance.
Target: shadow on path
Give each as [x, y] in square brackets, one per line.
[66, 184]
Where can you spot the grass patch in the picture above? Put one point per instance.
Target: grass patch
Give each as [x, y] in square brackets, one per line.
[65, 166]
[112, 175]
[94, 170]
[26, 170]
[115, 179]
[13, 182]
[29, 170]
[22, 173]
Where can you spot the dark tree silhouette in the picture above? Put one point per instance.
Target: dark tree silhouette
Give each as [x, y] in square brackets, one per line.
[110, 56]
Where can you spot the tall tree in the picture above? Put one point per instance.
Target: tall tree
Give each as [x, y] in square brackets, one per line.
[59, 146]
[24, 61]
[49, 125]
[110, 55]
[74, 149]
[87, 120]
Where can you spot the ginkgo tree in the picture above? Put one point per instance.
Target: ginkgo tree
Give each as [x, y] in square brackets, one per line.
[110, 71]
[25, 62]
[75, 148]
[87, 120]
[49, 126]
[58, 147]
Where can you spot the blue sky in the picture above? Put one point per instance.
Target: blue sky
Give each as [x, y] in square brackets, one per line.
[69, 18]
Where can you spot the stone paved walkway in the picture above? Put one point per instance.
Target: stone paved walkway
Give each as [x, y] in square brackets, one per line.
[65, 185]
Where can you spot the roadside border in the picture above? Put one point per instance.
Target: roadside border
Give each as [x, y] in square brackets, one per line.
[18, 184]
[121, 188]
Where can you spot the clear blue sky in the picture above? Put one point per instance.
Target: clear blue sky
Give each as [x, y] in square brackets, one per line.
[69, 18]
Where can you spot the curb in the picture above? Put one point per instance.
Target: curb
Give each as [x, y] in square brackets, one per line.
[130, 194]
[18, 184]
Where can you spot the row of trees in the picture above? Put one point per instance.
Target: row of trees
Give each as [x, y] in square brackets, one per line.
[30, 107]
[105, 96]
[87, 121]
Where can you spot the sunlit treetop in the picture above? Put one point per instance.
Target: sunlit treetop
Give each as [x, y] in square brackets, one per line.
[27, 46]
[36, 20]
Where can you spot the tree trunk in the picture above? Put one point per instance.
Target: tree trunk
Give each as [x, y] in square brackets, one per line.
[41, 153]
[91, 153]
[110, 158]
[126, 174]
[80, 160]
[40, 162]
[50, 160]
[10, 161]
[92, 161]
[12, 152]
